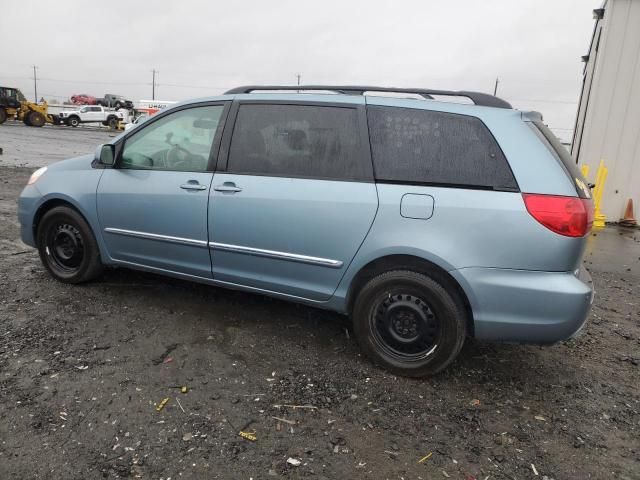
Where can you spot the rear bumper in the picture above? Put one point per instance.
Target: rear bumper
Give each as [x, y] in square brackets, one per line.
[524, 306]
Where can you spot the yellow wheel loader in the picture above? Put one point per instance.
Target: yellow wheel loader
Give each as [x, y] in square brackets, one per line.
[13, 105]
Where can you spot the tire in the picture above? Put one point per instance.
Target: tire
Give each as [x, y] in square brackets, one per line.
[36, 119]
[27, 119]
[3, 116]
[112, 122]
[409, 323]
[67, 247]
[73, 121]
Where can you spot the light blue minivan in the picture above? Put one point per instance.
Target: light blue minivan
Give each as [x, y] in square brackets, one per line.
[426, 220]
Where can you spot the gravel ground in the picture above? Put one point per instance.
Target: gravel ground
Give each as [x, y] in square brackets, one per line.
[36, 147]
[83, 370]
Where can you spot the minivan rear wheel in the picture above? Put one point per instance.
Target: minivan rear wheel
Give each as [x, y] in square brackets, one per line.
[67, 246]
[409, 323]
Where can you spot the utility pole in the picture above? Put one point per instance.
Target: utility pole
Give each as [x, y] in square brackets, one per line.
[299, 76]
[495, 88]
[153, 87]
[35, 83]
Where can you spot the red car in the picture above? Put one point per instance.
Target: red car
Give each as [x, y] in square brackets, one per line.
[83, 99]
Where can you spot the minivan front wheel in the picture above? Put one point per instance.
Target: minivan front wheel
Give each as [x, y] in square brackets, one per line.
[409, 323]
[67, 246]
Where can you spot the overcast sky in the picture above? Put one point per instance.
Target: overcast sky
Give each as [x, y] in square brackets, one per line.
[201, 48]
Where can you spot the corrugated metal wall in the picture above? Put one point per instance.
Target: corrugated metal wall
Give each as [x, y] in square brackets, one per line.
[608, 121]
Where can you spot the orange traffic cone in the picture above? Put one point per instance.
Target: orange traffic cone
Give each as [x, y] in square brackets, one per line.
[628, 220]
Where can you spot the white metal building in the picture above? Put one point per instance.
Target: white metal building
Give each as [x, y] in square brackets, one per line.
[608, 121]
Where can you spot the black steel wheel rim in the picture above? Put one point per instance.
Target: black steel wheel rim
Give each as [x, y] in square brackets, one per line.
[65, 247]
[405, 327]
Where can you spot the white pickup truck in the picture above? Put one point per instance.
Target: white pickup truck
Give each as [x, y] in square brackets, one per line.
[91, 114]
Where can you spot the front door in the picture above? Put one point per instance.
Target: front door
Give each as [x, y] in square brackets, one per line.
[94, 114]
[296, 199]
[152, 206]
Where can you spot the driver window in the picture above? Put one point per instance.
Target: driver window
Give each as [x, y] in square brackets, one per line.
[180, 141]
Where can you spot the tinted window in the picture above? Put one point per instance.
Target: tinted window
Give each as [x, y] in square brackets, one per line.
[298, 141]
[422, 146]
[562, 155]
[179, 141]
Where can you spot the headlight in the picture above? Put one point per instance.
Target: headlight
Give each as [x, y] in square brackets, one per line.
[36, 175]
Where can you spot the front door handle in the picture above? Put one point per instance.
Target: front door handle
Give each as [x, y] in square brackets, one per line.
[192, 185]
[227, 187]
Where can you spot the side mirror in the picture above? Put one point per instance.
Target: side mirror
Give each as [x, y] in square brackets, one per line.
[105, 155]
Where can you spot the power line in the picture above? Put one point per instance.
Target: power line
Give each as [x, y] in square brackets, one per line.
[75, 81]
[54, 95]
[206, 87]
[87, 82]
[567, 102]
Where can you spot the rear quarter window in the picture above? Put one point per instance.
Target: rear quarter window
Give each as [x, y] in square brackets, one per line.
[437, 148]
[563, 156]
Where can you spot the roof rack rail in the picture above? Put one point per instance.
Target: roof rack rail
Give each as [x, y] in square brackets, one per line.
[478, 98]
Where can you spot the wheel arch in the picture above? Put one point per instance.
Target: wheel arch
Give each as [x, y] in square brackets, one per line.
[53, 203]
[408, 262]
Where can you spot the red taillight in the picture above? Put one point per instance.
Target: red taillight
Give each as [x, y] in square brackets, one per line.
[568, 216]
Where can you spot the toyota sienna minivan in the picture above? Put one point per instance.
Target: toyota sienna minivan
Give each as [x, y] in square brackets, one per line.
[425, 220]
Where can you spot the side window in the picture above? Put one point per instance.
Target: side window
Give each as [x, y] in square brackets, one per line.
[179, 141]
[410, 145]
[298, 141]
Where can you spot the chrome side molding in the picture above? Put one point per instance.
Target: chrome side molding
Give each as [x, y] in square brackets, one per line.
[155, 236]
[259, 252]
[293, 257]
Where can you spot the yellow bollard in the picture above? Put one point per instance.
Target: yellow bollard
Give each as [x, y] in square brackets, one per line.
[585, 171]
[601, 176]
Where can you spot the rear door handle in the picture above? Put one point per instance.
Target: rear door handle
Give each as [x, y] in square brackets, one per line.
[192, 185]
[228, 187]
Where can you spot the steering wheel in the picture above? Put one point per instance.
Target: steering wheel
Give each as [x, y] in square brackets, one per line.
[176, 155]
[180, 158]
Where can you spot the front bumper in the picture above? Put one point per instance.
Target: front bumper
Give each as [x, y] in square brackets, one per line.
[523, 306]
[27, 207]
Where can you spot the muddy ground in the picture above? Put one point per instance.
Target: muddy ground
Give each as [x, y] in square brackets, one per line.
[84, 368]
